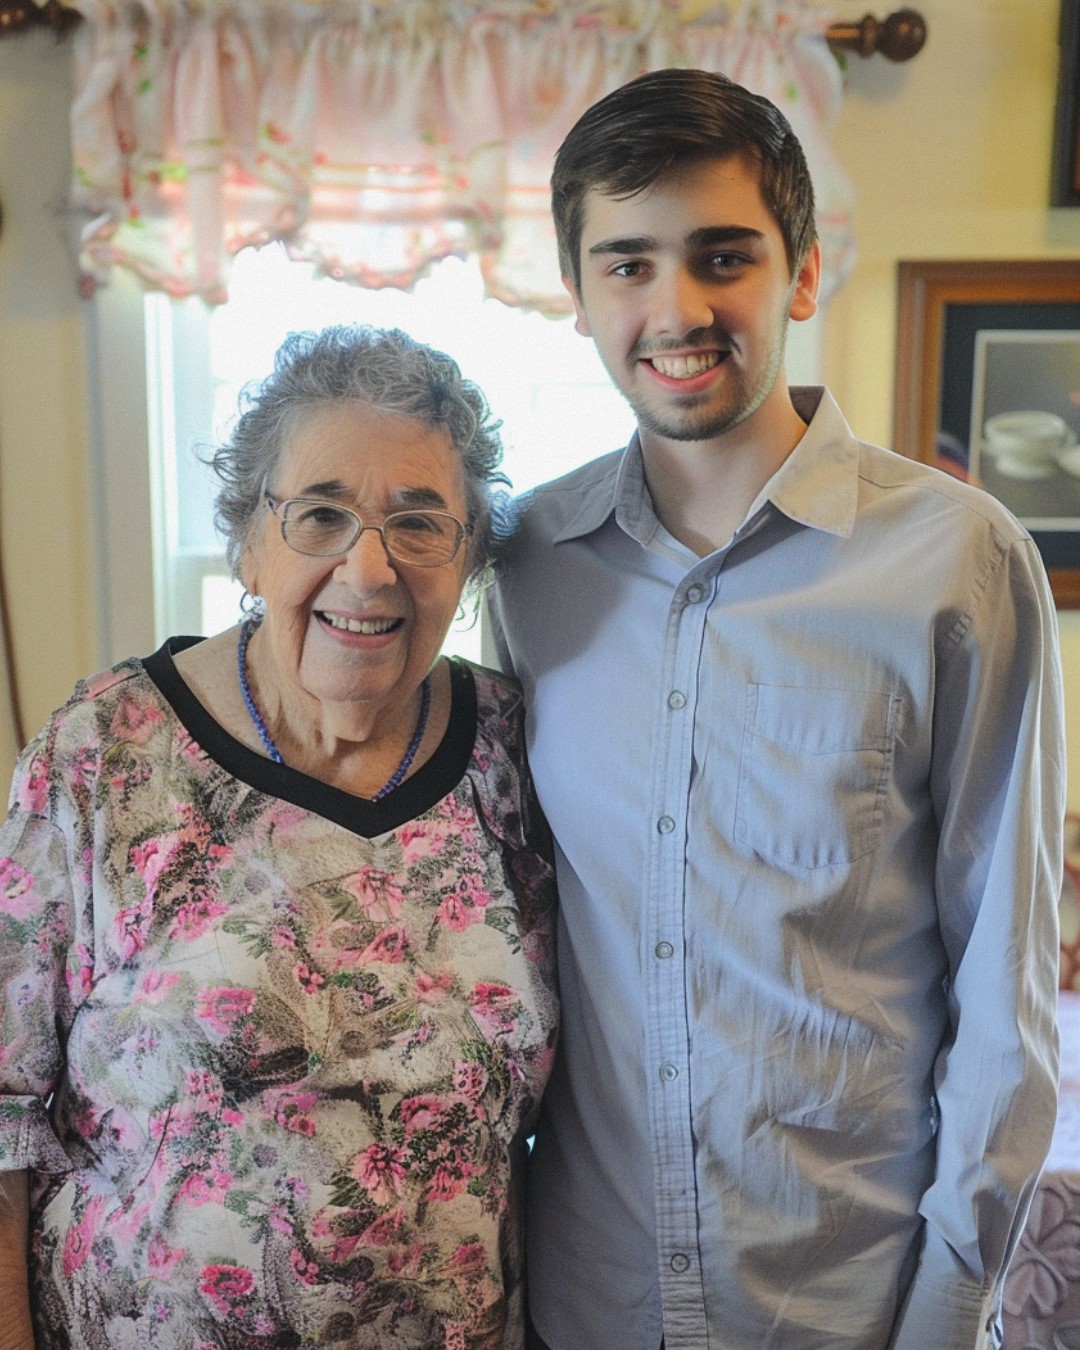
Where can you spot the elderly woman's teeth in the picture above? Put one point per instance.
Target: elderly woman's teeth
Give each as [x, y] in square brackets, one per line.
[683, 367]
[367, 626]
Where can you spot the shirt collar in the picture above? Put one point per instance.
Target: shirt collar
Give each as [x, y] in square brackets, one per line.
[817, 485]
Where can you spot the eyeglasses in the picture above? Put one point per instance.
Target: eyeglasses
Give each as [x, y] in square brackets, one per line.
[320, 530]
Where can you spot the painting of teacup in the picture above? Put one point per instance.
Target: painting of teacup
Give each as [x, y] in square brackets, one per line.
[1028, 443]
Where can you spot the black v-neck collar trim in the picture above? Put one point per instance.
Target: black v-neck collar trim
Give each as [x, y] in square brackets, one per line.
[428, 785]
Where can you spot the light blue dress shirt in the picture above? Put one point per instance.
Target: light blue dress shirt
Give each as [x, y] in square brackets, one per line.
[806, 793]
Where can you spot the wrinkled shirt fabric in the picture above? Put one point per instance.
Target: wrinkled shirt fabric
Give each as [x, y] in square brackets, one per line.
[806, 794]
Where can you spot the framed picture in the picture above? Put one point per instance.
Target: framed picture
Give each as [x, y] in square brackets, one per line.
[1065, 170]
[988, 388]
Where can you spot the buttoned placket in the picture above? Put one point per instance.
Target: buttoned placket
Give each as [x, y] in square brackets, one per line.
[668, 1031]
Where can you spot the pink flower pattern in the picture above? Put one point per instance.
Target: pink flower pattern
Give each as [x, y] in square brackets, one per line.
[223, 1008]
[381, 1172]
[225, 1286]
[376, 892]
[296, 1058]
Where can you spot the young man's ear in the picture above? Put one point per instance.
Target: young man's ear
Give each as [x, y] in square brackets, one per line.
[805, 292]
[581, 323]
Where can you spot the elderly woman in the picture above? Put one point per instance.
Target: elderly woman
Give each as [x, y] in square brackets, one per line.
[276, 981]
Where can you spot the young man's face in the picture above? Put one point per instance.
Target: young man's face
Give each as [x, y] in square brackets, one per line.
[686, 291]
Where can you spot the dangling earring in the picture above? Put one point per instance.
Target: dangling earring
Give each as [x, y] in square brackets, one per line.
[251, 606]
[465, 605]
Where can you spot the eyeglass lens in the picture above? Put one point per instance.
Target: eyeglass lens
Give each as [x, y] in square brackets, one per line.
[421, 537]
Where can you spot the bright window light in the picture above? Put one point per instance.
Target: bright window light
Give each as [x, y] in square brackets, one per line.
[542, 379]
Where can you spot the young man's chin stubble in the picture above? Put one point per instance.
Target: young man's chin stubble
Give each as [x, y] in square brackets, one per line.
[704, 423]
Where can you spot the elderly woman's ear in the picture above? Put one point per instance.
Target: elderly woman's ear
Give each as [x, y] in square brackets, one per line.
[247, 568]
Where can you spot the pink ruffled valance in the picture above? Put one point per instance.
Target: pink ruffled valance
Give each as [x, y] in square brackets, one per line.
[376, 137]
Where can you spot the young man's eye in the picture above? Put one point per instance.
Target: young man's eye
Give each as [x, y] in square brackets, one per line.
[630, 268]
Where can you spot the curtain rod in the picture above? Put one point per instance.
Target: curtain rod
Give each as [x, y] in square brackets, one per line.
[898, 37]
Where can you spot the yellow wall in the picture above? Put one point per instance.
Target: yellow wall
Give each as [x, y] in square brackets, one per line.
[949, 155]
[44, 519]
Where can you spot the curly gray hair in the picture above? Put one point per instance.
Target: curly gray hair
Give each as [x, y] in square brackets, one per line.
[391, 372]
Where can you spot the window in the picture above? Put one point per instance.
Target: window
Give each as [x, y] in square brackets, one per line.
[161, 564]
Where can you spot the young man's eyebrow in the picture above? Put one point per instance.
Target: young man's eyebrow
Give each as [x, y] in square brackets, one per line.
[636, 244]
[709, 236]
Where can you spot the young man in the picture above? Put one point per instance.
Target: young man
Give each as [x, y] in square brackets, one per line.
[796, 724]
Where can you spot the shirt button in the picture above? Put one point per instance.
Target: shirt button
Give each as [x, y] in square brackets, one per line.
[695, 594]
[679, 1263]
[676, 699]
[668, 1072]
[665, 824]
[664, 950]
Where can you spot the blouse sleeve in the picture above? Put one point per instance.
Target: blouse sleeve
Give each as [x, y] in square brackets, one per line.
[39, 973]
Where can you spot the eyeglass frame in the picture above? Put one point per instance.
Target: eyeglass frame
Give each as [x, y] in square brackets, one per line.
[274, 502]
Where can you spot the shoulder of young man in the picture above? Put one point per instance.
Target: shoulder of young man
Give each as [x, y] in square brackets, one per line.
[551, 507]
[887, 470]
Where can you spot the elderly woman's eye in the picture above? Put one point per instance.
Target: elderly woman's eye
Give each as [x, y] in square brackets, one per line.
[325, 517]
[419, 522]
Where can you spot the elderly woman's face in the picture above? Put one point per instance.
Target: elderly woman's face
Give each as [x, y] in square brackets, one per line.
[358, 627]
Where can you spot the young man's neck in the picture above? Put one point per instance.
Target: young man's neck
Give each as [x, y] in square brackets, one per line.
[702, 490]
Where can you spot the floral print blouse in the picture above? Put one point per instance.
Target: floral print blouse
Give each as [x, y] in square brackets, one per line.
[271, 1051]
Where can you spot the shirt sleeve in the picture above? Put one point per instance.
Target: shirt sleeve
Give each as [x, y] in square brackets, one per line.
[38, 969]
[998, 787]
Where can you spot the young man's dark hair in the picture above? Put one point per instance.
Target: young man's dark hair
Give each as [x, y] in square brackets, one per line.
[650, 128]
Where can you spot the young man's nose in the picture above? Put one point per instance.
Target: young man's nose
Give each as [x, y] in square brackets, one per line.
[680, 304]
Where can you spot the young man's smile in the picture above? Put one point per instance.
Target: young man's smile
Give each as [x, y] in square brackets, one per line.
[684, 370]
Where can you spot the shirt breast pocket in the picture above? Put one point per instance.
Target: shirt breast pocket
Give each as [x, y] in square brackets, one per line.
[813, 773]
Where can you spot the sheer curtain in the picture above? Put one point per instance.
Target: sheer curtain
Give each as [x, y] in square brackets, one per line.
[376, 137]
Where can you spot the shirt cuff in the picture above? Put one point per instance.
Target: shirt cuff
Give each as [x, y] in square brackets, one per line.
[27, 1140]
[946, 1305]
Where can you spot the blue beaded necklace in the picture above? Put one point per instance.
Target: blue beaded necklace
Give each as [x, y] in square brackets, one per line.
[246, 629]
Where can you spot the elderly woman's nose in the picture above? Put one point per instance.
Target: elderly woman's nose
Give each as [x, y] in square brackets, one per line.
[367, 565]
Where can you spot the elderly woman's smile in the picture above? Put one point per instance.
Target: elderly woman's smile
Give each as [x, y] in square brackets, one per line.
[368, 627]
[349, 637]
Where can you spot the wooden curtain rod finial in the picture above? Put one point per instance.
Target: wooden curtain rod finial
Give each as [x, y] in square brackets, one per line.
[19, 16]
[898, 38]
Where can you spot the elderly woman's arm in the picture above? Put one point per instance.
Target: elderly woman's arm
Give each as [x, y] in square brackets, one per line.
[15, 1330]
